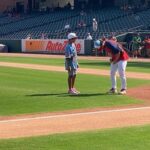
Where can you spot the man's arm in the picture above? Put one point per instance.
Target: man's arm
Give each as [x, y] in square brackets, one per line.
[117, 56]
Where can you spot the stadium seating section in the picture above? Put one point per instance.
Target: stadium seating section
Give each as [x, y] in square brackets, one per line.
[52, 24]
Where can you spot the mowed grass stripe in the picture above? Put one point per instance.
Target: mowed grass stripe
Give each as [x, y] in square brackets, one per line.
[132, 66]
[24, 91]
[133, 138]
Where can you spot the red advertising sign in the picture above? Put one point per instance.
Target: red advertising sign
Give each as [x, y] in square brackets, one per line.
[50, 46]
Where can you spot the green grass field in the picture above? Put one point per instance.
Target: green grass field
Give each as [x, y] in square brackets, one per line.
[143, 67]
[25, 91]
[134, 138]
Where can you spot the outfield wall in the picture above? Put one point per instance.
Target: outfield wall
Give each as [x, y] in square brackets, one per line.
[14, 46]
[55, 46]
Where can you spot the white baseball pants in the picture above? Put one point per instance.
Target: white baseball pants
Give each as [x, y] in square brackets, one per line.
[121, 68]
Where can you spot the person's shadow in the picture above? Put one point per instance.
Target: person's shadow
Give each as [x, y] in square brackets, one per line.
[46, 94]
[67, 95]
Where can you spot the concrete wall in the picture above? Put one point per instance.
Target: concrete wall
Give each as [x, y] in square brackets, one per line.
[61, 3]
[4, 4]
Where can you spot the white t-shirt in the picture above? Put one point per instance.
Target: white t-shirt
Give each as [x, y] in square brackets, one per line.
[95, 25]
[89, 37]
[67, 26]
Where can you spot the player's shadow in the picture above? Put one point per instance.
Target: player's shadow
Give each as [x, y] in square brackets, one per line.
[66, 95]
[46, 94]
[86, 95]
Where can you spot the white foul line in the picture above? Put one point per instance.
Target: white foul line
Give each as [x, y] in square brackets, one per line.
[75, 114]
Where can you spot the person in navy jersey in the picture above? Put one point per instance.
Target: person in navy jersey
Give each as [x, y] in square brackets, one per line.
[118, 62]
[71, 63]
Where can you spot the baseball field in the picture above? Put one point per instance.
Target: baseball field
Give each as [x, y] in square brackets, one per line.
[37, 113]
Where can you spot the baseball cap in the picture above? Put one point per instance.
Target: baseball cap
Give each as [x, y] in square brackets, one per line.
[72, 36]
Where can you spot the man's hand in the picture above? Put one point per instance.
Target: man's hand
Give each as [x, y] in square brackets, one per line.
[116, 58]
[110, 60]
[114, 62]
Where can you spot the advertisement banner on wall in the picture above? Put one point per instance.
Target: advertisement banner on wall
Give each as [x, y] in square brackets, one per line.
[56, 46]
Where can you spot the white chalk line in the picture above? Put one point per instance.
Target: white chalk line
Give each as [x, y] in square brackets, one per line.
[75, 114]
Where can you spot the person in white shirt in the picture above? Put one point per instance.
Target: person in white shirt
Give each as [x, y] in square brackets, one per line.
[95, 25]
[89, 37]
[42, 36]
[28, 37]
[67, 26]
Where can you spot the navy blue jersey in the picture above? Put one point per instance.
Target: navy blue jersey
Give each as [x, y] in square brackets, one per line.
[113, 47]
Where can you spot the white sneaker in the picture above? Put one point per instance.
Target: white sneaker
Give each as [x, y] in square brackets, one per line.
[75, 90]
[72, 92]
[123, 91]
